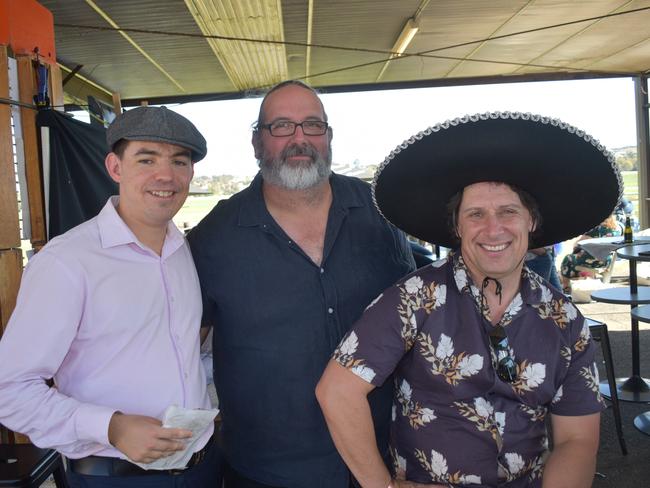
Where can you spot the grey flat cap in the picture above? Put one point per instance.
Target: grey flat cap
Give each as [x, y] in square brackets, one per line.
[157, 124]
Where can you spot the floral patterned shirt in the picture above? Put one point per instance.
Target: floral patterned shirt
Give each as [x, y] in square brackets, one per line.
[454, 421]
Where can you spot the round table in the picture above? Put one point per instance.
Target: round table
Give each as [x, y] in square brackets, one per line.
[601, 247]
[635, 388]
[642, 421]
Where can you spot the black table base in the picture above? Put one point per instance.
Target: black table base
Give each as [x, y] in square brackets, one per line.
[642, 422]
[633, 389]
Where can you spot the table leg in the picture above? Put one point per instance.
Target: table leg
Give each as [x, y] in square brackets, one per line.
[636, 363]
[633, 279]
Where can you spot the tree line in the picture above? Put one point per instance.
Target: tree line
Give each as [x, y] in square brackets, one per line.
[626, 158]
[222, 184]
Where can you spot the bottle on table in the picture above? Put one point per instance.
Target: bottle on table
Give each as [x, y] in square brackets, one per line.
[627, 232]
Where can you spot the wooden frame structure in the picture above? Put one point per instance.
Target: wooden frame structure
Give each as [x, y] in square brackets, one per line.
[11, 254]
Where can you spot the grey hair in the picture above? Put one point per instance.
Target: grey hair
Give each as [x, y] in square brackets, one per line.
[260, 116]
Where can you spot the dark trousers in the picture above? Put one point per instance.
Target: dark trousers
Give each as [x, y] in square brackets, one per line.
[206, 474]
[232, 479]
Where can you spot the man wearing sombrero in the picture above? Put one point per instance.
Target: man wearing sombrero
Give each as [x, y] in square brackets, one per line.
[482, 349]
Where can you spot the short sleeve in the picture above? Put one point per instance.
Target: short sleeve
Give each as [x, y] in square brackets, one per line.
[579, 393]
[388, 328]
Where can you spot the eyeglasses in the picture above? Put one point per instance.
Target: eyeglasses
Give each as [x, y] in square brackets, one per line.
[506, 367]
[285, 128]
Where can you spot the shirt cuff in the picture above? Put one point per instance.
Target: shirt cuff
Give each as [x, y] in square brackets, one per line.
[92, 422]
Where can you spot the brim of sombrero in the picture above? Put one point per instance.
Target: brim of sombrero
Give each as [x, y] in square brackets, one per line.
[572, 177]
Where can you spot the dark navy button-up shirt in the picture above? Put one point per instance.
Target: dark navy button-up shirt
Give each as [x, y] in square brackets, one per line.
[277, 318]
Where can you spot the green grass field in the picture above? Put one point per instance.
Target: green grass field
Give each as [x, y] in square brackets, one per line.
[631, 189]
[631, 184]
[195, 208]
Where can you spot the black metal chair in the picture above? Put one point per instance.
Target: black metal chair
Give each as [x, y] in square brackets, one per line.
[28, 466]
[599, 333]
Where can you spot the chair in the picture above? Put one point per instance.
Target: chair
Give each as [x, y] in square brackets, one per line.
[28, 466]
[599, 333]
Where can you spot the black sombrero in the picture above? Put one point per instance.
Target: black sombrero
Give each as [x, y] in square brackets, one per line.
[571, 175]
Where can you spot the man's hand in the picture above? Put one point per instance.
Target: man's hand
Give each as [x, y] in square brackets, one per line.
[144, 439]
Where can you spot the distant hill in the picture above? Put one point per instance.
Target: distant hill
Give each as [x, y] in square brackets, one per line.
[365, 172]
[198, 190]
[626, 158]
[222, 184]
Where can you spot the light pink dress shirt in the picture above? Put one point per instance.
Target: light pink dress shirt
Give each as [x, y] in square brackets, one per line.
[116, 325]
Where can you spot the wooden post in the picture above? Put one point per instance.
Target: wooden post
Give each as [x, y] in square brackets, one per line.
[9, 230]
[11, 257]
[24, 18]
[117, 103]
[10, 253]
[34, 175]
[56, 88]
[643, 147]
[11, 268]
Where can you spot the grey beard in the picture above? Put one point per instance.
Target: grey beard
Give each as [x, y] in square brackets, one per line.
[280, 173]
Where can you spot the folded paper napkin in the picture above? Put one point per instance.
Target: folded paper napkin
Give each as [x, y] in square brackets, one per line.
[197, 421]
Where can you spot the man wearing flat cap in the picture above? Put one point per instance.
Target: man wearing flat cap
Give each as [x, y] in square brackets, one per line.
[483, 350]
[111, 312]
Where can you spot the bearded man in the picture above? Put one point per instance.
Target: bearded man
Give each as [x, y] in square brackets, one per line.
[286, 266]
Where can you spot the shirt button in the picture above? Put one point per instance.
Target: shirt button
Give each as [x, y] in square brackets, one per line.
[330, 310]
[322, 271]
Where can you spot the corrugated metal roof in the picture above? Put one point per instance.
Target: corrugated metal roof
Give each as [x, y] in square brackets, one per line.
[458, 39]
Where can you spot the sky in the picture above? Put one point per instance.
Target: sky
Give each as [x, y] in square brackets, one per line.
[368, 125]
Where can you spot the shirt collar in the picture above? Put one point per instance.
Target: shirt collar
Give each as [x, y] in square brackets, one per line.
[113, 231]
[253, 211]
[531, 287]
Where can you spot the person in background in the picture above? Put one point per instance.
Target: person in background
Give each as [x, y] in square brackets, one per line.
[624, 209]
[579, 257]
[421, 255]
[111, 312]
[542, 261]
[286, 266]
[483, 352]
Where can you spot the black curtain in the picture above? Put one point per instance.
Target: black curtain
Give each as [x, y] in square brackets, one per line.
[79, 183]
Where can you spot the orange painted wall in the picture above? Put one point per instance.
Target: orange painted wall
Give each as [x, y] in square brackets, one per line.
[26, 24]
